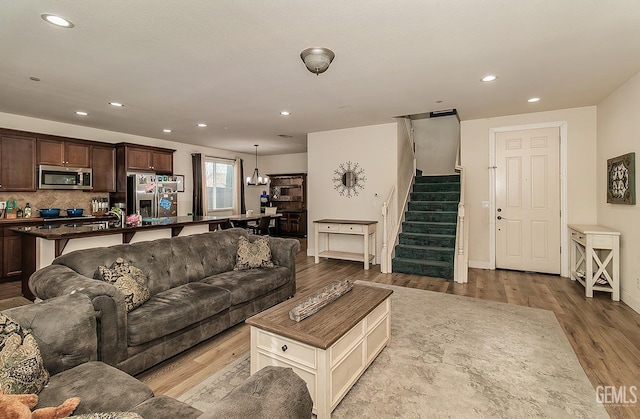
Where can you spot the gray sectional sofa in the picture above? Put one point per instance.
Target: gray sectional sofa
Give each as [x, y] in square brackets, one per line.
[65, 331]
[194, 292]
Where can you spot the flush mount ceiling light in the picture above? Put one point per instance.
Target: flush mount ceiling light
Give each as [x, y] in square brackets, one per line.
[201, 124]
[533, 99]
[317, 59]
[256, 179]
[57, 20]
[488, 78]
[116, 104]
[285, 113]
[82, 113]
[166, 130]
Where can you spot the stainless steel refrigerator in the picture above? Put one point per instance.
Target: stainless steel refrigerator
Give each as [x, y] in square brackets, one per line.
[154, 196]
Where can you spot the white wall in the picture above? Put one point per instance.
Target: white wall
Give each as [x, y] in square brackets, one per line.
[181, 158]
[374, 148]
[436, 144]
[618, 134]
[581, 179]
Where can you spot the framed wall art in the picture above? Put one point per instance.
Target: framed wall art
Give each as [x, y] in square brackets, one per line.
[621, 179]
[180, 182]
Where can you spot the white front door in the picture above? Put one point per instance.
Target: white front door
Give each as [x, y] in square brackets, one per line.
[528, 200]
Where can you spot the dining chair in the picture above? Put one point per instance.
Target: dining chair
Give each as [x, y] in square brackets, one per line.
[262, 228]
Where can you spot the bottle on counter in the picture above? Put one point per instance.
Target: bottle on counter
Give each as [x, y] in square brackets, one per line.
[27, 211]
[19, 213]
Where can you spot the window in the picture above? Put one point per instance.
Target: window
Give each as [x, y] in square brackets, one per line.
[219, 184]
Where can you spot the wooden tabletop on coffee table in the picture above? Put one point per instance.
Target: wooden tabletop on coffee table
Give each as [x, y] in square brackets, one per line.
[325, 327]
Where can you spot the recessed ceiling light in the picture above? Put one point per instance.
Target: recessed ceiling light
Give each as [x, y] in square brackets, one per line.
[82, 113]
[33, 78]
[489, 77]
[202, 124]
[166, 130]
[57, 20]
[285, 113]
[116, 104]
[533, 99]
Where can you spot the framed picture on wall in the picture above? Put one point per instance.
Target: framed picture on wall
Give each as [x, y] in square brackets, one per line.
[621, 179]
[180, 181]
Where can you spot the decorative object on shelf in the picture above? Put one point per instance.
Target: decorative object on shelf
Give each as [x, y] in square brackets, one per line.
[349, 179]
[317, 59]
[256, 179]
[621, 179]
[314, 303]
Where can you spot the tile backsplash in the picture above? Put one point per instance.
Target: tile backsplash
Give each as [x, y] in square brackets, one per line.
[53, 199]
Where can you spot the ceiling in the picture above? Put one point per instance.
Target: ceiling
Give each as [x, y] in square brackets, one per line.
[235, 64]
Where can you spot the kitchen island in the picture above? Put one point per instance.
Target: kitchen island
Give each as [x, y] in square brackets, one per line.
[42, 243]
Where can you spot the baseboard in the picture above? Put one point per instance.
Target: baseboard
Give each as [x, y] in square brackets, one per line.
[630, 300]
[479, 264]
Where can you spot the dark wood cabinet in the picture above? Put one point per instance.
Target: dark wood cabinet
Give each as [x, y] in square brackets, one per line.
[149, 159]
[288, 192]
[12, 254]
[103, 163]
[63, 153]
[162, 161]
[17, 163]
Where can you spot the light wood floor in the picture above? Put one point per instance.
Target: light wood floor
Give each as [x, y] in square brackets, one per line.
[604, 334]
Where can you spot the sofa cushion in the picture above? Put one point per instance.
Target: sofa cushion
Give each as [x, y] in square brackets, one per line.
[166, 407]
[100, 387]
[175, 309]
[250, 283]
[130, 280]
[21, 367]
[256, 254]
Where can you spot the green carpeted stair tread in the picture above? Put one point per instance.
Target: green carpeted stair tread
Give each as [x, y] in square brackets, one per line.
[424, 262]
[431, 248]
[438, 179]
[434, 235]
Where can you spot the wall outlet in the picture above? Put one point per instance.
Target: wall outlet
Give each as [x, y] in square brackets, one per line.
[638, 283]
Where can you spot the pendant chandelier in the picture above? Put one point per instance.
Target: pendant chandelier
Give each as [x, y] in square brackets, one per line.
[256, 179]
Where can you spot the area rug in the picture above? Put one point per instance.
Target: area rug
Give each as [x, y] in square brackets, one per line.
[455, 357]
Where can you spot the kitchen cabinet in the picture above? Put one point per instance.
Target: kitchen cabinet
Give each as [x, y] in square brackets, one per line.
[17, 162]
[11, 251]
[63, 153]
[148, 159]
[288, 192]
[103, 163]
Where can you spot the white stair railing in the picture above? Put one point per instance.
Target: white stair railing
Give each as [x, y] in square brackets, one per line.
[385, 262]
[461, 257]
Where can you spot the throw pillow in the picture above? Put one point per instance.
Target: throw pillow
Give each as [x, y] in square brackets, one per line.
[108, 415]
[253, 255]
[21, 366]
[130, 280]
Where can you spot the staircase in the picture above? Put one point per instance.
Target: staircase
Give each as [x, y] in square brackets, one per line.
[427, 241]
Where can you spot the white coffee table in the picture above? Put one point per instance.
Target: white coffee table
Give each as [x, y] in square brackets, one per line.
[330, 349]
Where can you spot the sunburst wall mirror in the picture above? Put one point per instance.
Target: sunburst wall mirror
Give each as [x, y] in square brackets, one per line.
[348, 179]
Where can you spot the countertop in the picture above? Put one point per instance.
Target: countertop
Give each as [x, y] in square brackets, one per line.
[70, 228]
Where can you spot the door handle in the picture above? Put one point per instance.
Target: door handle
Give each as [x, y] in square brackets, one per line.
[499, 217]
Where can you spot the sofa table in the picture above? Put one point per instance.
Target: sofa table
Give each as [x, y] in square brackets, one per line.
[367, 229]
[595, 259]
[330, 349]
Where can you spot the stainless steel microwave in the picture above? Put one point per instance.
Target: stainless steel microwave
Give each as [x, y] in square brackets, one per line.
[58, 177]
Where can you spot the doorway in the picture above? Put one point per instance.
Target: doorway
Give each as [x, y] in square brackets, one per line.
[527, 198]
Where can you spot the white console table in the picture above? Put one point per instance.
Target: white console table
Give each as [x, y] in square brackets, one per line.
[595, 259]
[367, 229]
